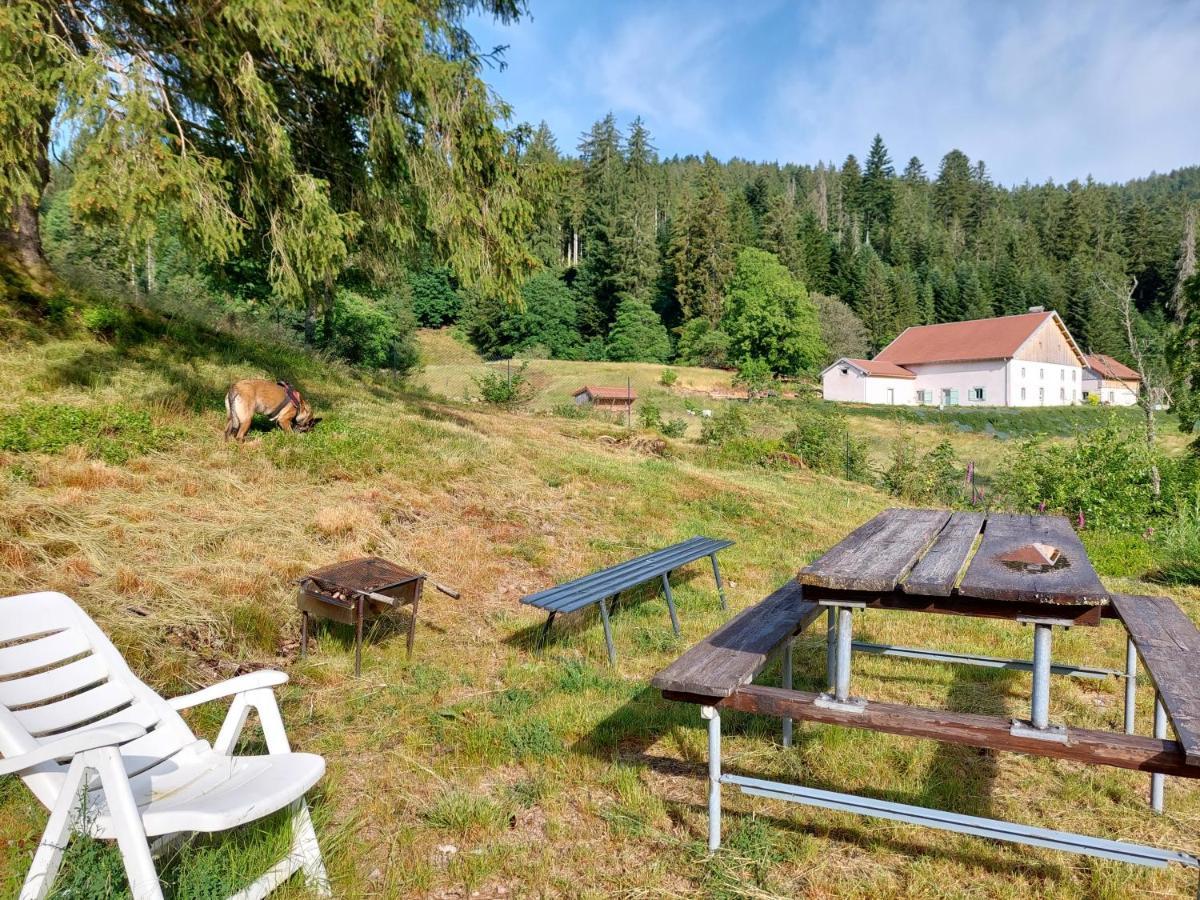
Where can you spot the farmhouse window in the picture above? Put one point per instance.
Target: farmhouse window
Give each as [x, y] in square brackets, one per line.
[1042, 374]
[949, 397]
[978, 393]
[1062, 394]
[1022, 393]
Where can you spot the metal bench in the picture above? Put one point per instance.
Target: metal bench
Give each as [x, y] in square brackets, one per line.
[600, 587]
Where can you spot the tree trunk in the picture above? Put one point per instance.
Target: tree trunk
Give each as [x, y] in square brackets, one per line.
[21, 242]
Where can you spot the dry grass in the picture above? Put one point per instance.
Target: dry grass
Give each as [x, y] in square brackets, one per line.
[550, 775]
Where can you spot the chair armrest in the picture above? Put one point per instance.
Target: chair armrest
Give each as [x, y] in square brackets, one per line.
[65, 747]
[251, 681]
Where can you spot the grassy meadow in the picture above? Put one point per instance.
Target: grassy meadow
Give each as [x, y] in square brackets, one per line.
[477, 768]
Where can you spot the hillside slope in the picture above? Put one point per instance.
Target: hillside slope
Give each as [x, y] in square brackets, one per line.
[477, 765]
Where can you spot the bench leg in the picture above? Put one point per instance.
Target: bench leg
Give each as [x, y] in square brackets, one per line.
[541, 645]
[612, 653]
[666, 580]
[1160, 732]
[1130, 684]
[714, 776]
[358, 636]
[787, 685]
[720, 583]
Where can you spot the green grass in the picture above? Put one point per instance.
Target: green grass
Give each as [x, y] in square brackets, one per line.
[550, 774]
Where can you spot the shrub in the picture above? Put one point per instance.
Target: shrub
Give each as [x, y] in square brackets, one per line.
[1179, 556]
[700, 344]
[755, 376]
[105, 320]
[727, 424]
[822, 440]
[649, 414]
[508, 388]
[673, 428]
[570, 411]
[370, 331]
[932, 478]
[638, 334]
[1103, 475]
[112, 433]
[668, 377]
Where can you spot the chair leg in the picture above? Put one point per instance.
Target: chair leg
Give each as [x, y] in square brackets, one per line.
[48, 857]
[308, 852]
[127, 822]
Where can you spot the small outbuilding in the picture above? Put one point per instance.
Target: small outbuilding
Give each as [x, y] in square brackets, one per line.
[613, 399]
[1113, 382]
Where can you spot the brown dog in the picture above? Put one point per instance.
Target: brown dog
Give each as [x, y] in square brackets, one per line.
[277, 400]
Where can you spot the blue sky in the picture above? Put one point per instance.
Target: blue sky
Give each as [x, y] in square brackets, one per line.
[1038, 90]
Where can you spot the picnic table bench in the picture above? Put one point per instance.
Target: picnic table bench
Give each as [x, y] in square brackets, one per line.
[923, 560]
[599, 587]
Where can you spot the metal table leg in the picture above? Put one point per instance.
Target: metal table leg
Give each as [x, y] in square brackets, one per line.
[304, 633]
[358, 634]
[845, 638]
[714, 775]
[787, 684]
[412, 622]
[1040, 701]
[831, 647]
[1160, 731]
[1131, 663]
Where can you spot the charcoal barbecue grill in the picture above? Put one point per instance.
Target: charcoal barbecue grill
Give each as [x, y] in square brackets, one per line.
[351, 592]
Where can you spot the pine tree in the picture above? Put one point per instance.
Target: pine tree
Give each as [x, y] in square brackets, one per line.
[876, 306]
[972, 298]
[850, 182]
[877, 191]
[603, 170]
[701, 251]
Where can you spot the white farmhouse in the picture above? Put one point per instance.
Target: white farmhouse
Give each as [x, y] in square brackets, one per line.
[1025, 360]
[1113, 382]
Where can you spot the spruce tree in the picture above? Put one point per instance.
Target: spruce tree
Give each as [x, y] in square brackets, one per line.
[781, 235]
[635, 259]
[603, 169]
[914, 172]
[638, 334]
[876, 305]
[850, 182]
[877, 190]
[701, 251]
[952, 191]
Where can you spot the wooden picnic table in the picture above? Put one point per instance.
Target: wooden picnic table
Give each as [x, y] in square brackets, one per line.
[1030, 569]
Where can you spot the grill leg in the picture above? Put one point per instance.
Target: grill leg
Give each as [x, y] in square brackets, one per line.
[714, 776]
[1130, 685]
[1160, 731]
[666, 580]
[546, 632]
[358, 632]
[787, 684]
[304, 634]
[831, 647]
[412, 621]
[612, 653]
[720, 583]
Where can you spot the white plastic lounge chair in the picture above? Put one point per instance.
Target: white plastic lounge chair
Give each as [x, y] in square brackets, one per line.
[75, 720]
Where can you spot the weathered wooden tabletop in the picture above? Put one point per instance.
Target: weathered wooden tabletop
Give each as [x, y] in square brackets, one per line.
[937, 554]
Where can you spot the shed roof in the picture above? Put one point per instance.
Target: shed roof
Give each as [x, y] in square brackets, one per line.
[997, 338]
[1107, 367]
[607, 393]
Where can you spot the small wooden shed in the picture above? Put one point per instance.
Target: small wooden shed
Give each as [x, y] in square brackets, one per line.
[613, 399]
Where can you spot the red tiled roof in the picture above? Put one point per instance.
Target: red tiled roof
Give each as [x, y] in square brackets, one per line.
[607, 393]
[1107, 367]
[885, 369]
[998, 338]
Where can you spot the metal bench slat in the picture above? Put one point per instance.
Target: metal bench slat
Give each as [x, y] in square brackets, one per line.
[654, 557]
[580, 592]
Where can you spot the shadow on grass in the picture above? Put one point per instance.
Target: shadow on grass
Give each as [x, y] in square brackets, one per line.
[960, 778]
